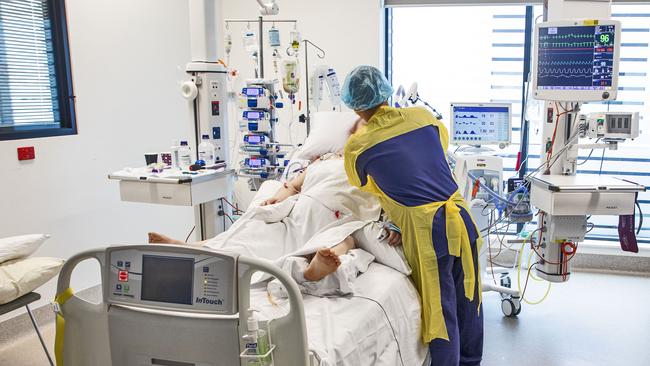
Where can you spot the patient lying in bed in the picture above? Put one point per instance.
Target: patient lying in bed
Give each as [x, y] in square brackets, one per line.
[312, 227]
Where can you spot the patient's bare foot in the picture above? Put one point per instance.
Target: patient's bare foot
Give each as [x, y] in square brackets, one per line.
[155, 238]
[324, 262]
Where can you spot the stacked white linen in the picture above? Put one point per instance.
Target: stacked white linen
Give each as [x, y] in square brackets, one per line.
[20, 274]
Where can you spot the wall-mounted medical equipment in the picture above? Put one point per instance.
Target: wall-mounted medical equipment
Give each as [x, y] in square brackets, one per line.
[612, 125]
[576, 60]
[173, 305]
[207, 96]
[479, 124]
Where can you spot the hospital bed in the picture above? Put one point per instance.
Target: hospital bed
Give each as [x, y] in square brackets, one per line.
[168, 305]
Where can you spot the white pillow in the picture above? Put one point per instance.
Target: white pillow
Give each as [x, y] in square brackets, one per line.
[329, 133]
[20, 246]
[21, 276]
[385, 254]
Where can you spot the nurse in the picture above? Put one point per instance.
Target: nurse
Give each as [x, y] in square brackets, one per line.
[399, 155]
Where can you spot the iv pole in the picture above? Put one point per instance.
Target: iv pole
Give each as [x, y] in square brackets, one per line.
[260, 22]
[306, 118]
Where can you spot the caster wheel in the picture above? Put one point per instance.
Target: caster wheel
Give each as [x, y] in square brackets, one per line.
[508, 308]
[511, 307]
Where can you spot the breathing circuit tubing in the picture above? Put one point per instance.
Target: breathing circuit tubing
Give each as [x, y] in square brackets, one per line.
[504, 201]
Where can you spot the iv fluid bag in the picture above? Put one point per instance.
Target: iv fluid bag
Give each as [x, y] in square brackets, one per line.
[290, 76]
[274, 38]
[295, 39]
[250, 43]
[334, 87]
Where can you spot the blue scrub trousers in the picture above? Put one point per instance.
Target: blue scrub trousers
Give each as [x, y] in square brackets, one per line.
[463, 318]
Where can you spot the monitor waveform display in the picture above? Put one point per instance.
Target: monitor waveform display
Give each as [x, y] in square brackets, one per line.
[481, 125]
[576, 57]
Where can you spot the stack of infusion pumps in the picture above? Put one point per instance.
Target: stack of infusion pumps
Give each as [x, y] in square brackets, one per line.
[262, 155]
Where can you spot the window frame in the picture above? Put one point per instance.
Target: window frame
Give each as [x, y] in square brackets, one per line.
[525, 142]
[63, 73]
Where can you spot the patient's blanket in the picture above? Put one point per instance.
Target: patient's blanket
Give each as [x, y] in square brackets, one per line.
[339, 283]
[327, 210]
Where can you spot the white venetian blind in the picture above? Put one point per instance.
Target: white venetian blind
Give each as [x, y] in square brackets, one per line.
[28, 91]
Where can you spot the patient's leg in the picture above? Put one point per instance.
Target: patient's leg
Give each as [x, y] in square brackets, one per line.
[326, 260]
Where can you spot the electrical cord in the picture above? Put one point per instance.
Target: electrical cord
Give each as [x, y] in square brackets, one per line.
[588, 156]
[399, 348]
[237, 210]
[188, 235]
[529, 275]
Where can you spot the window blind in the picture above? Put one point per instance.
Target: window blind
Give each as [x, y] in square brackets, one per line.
[28, 90]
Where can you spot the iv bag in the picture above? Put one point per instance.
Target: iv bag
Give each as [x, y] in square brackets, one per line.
[250, 43]
[290, 76]
[334, 87]
[295, 39]
[274, 38]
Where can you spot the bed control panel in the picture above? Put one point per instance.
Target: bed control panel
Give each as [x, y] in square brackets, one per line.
[172, 278]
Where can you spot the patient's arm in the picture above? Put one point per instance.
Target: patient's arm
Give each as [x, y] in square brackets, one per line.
[289, 189]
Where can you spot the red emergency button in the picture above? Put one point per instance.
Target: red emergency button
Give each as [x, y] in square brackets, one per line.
[123, 276]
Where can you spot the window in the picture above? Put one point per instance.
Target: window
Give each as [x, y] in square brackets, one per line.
[36, 96]
[486, 64]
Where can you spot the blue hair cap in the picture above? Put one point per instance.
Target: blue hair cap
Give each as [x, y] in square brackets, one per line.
[365, 88]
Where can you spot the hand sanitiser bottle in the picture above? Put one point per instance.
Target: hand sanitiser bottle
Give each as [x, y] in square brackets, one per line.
[206, 150]
[256, 341]
[184, 155]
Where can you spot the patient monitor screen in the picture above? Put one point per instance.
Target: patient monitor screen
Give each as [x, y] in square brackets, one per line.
[167, 279]
[480, 124]
[576, 57]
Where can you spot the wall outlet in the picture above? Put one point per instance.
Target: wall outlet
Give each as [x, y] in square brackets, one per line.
[26, 153]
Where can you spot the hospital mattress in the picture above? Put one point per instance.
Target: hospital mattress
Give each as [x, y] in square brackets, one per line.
[379, 325]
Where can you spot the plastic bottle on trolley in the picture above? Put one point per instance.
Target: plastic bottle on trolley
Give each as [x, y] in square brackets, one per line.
[184, 155]
[206, 150]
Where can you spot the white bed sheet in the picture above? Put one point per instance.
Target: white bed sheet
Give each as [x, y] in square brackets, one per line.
[379, 325]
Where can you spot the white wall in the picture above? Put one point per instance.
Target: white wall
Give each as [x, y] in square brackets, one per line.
[128, 58]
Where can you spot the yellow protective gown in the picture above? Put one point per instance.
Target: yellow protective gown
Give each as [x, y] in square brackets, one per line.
[415, 222]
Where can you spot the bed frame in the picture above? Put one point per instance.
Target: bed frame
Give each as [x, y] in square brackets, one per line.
[129, 332]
